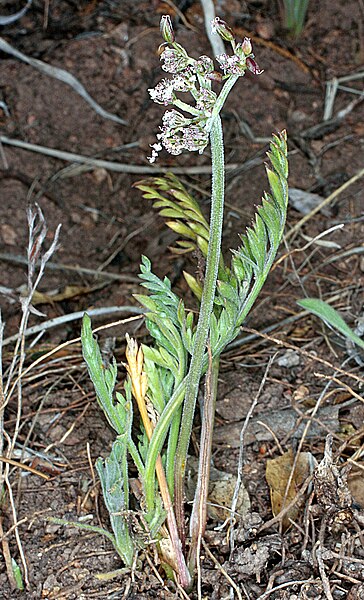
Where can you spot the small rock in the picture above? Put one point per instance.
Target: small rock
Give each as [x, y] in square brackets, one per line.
[52, 527]
[51, 584]
[305, 202]
[8, 234]
[289, 359]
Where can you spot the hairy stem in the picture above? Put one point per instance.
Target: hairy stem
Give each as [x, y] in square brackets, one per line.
[199, 509]
[202, 329]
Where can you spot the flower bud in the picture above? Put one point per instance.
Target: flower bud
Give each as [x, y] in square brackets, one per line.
[246, 46]
[222, 29]
[253, 66]
[214, 76]
[167, 29]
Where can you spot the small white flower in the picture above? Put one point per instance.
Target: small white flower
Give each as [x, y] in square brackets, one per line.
[156, 148]
[163, 92]
[233, 65]
[203, 65]
[185, 82]
[206, 100]
[195, 139]
[175, 60]
[173, 119]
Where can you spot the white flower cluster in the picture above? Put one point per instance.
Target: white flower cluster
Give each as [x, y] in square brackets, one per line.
[179, 133]
[192, 76]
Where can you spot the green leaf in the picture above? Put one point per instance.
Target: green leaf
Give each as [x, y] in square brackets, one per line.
[252, 262]
[328, 314]
[155, 355]
[113, 473]
[103, 378]
[17, 575]
[194, 285]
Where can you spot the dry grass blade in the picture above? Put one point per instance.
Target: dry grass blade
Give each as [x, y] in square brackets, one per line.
[37, 235]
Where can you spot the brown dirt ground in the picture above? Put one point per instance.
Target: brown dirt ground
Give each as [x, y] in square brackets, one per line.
[111, 48]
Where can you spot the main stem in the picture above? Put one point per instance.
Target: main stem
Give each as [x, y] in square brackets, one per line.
[199, 510]
[203, 325]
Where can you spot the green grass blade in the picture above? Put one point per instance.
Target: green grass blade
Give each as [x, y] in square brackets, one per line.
[328, 314]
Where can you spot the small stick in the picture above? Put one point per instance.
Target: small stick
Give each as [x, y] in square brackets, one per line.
[52, 266]
[7, 557]
[282, 586]
[15, 463]
[93, 312]
[326, 201]
[225, 574]
[324, 577]
[121, 167]
[304, 353]
[241, 455]
[216, 42]
[287, 508]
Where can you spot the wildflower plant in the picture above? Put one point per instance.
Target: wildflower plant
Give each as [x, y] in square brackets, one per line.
[164, 376]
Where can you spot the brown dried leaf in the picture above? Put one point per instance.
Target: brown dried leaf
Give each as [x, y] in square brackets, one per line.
[221, 492]
[278, 473]
[356, 486]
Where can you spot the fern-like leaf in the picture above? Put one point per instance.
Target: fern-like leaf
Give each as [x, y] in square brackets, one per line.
[252, 262]
[173, 201]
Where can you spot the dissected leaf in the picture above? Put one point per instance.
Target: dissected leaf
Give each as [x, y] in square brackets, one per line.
[113, 473]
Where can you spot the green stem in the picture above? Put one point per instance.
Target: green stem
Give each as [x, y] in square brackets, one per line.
[199, 509]
[174, 429]
[171, 450]
[156, 442]
[203, 325]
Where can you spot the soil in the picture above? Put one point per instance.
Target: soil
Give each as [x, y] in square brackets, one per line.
[106, 226]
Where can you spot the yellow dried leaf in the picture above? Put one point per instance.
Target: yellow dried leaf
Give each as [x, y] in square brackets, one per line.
[68, 292]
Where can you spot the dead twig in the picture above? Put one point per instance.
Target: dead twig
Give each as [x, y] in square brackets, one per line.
[61, 75]
[325, 202]
[93, 312]
[9, 19]
[21, 260]
[324, 577]
[282, 586]
[287, 508]
[224, 573]
[209, 14]
[7, 557]
[304, 353]
[241, 455]
[121, 167]
[15, 463]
